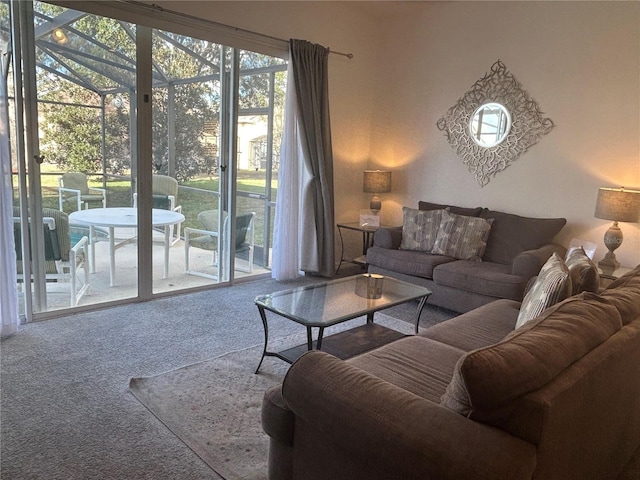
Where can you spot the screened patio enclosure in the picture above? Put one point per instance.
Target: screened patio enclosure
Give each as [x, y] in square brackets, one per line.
[214, 109]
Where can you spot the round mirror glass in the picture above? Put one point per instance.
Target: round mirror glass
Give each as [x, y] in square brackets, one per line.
[490, 124]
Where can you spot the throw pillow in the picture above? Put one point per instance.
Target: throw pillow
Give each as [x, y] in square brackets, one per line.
[552, 285]
[419, 229]
[584, 273]
[462, 237]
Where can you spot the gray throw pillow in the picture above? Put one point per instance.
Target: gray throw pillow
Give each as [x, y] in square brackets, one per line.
[419, 229]
[462, 237]
[552, 285]
[584, 273]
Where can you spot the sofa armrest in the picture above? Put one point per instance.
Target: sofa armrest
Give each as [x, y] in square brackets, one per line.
[388, 237]
[529, 263]
[421, 439]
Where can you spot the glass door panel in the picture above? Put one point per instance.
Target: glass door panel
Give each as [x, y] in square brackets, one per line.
[189, 98]
[215, 125]
[84, 80]
[261, 96]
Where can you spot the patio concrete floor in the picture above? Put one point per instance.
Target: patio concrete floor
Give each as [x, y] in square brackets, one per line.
[126, 273]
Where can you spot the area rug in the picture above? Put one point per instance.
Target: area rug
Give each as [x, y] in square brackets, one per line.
[214, 406]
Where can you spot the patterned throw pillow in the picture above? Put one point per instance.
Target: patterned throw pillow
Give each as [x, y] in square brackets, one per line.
[462, 237]
[552, 286]
[419, 229]
[584, 273]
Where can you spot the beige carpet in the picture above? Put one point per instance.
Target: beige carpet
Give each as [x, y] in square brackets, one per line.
[214, 406]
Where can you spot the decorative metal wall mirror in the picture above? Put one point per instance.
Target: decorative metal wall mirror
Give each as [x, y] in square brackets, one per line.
[494, 123]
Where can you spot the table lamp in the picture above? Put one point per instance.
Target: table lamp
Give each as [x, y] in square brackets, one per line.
[619, 205]
[376, 181]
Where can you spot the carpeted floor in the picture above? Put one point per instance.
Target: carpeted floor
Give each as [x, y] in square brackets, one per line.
[214, 406]
[66, 411]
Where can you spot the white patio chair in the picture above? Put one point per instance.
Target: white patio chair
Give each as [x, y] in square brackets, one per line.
[208, 238]
[63, 262]
[73, 187]
[165, 193]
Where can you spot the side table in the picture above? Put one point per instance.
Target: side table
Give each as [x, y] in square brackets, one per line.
[367, 240]
[607, 278]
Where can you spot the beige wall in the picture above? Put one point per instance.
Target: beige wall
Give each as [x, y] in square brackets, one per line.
[579, 60]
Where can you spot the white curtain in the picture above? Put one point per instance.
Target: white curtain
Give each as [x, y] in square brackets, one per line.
[286, 234]
[8, 292]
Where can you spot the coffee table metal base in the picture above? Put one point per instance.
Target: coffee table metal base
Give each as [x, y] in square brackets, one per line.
[343, 345]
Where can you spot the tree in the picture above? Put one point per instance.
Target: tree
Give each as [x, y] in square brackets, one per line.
[102, 72]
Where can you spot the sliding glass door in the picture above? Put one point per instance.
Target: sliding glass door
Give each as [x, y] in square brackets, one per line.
[262, 85]
[217, 125]
[171, 139]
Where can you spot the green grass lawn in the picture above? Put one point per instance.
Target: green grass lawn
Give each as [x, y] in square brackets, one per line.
[119, 194]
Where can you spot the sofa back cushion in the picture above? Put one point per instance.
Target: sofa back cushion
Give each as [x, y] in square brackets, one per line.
[469, 212]
[624, 294]
[629, 279]
[528, 358]
[512, 234]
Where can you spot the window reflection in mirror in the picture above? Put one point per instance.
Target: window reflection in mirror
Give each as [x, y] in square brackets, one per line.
[490, 124]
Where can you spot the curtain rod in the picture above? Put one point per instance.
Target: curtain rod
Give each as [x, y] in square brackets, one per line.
[155, 6]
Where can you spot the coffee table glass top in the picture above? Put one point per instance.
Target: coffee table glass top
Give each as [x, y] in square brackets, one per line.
[335, 301]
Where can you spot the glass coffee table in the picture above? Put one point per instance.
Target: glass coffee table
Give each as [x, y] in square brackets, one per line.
[329, 303]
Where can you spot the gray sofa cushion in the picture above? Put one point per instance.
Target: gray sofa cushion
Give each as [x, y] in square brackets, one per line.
[512, 234]
[388, 237]
[470, 212]
[481, 327]
[418, 264]
[416, 364]
[485, 278]
[623, 294]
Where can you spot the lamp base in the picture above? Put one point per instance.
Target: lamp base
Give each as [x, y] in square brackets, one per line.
[612, 240]
[609, 264]
[375, 204]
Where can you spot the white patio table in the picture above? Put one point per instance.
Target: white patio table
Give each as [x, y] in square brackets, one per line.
[123, 217]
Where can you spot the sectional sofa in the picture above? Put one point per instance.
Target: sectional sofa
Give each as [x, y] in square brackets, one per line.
[475, 397]
[483, 269]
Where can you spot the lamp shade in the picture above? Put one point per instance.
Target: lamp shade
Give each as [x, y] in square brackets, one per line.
[376, 181]
[618, 205]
